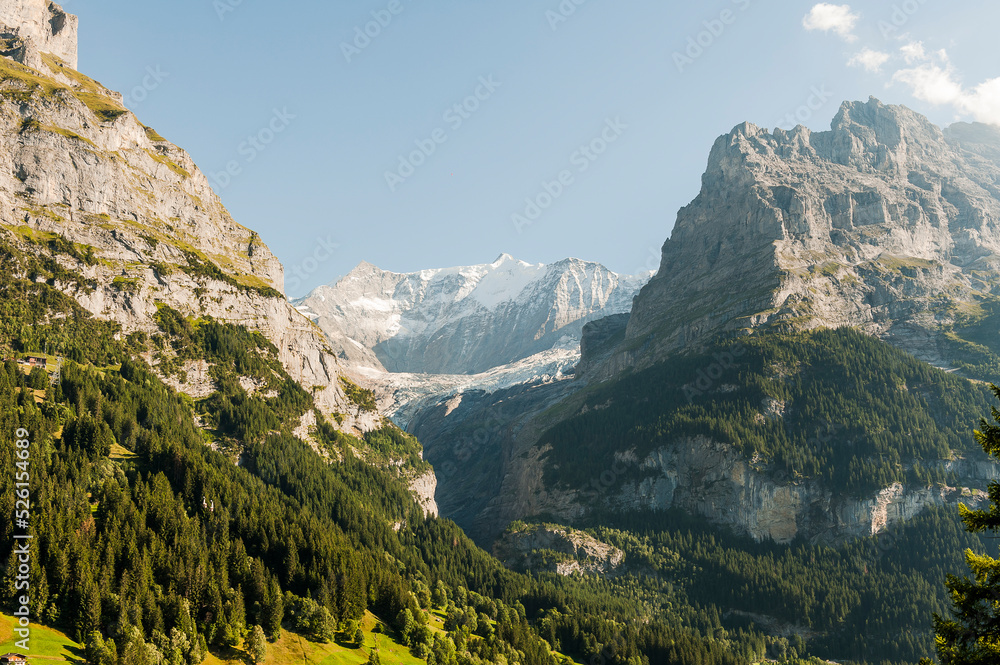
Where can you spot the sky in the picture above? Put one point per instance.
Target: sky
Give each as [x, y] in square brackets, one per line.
[415, 134]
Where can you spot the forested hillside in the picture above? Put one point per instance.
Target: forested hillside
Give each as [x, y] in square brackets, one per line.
[836, 406]
[157, 540]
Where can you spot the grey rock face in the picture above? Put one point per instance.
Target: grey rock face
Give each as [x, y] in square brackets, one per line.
[77, 164]
[466, 320]
[864, 225]
[556, 549]
[32, 27]
[712, 480]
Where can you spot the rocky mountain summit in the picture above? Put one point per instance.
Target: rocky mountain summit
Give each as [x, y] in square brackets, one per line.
[885, 223]
[466, 320]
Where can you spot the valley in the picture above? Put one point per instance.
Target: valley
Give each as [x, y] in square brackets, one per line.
[761, 452]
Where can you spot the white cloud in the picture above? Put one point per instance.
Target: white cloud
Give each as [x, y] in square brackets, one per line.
[931, 82]
[914, 52]
[871, 60]
[983, 102]
[935, 81]
[828, 17]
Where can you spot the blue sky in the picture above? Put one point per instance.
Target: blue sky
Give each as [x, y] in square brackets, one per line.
[599, 113]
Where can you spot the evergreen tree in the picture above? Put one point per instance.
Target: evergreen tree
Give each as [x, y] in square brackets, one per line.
[257, 644]
[972, 636]
[274, 611]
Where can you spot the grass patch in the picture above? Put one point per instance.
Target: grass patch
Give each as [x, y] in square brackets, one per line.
[899, 264]
[61, 131]
[32, 125]
[169, 163]
[153, 135]
[15, 71]
[57, 244]
[46, 643]
[126, 284]
[120, 453]
[90, 92]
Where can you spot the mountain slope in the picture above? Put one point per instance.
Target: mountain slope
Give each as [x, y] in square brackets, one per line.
[466, 320]
[132, 215]
[884, 223]
[175, 501]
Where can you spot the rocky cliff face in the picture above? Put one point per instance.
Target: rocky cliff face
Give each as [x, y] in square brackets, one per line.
[710, 479]
[137, 221]
[557, 549]
[884, 223]
[29, 28]
[466, 320]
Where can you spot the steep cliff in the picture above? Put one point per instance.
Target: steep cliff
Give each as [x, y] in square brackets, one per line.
[29, 28]
[884, 223]
[135, 225]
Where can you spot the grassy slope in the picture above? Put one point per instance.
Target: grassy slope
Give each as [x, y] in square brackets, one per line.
[49, 644]
[46, 644]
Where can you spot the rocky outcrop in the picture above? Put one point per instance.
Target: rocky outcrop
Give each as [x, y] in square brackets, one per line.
[137, 220]
[884, 223]
[29, 28]
[465, 320]
[557, 549]
[423, 488]
[710, 479]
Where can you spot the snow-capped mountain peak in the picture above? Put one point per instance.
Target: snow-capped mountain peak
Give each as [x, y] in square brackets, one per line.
[466, 319]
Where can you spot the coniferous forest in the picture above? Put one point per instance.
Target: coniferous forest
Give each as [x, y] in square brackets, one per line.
[160, 540]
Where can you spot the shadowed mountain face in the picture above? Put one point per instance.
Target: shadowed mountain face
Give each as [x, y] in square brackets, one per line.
[884, 222]
[466, 320]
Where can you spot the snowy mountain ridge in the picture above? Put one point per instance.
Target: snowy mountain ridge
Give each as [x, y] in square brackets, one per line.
[465, 320]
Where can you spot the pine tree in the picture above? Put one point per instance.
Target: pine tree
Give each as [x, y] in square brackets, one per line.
[972, 636]
[257, 644]
[274, 611]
